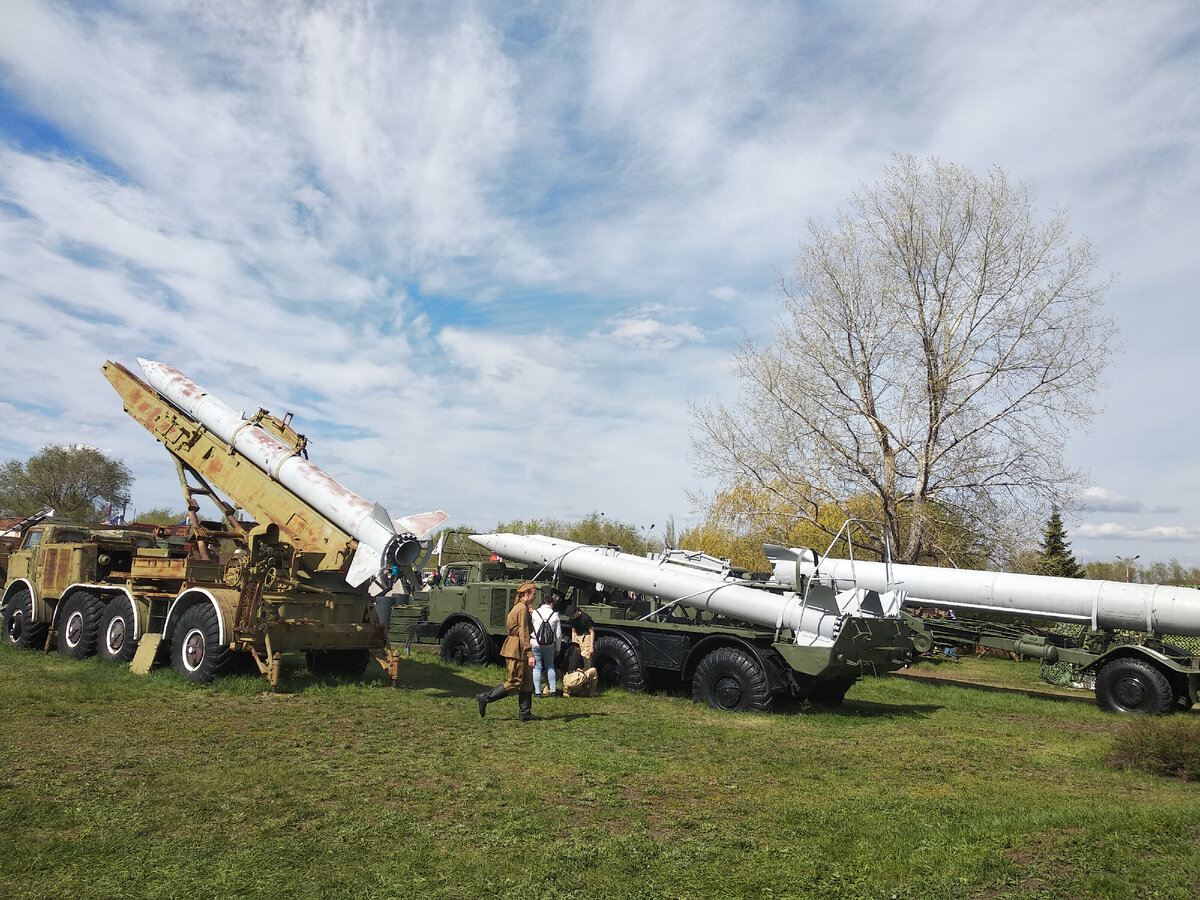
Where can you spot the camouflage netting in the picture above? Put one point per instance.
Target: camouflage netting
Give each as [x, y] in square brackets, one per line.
[1068, 674]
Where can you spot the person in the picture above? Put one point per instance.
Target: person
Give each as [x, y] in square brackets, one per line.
[583, 632]
[517, 652]
[580, 683]
[580, 676]
[543, 654]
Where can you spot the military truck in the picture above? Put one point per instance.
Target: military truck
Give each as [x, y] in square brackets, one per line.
[727, 662]
[55, 573]
[275, 575]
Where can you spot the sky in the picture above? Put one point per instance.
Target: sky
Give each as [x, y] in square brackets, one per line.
[490, 254]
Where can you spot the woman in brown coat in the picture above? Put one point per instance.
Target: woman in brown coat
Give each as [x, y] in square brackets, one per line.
[517, 652]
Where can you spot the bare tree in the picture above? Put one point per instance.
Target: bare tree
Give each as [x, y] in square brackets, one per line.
[934, 346]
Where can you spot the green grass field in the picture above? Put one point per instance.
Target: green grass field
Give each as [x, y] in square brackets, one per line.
[123, 786]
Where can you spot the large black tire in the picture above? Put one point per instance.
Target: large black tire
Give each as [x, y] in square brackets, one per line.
[1131, 686]
[19, 628]
[732, 679]
[466, 645]
[618, 664]
[78, 624]
[196, 651]
[115, 641]
[338, 662]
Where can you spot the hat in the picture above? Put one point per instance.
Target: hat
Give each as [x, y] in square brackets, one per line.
[570, 611]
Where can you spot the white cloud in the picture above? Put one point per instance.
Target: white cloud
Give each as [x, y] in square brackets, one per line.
[508, 247]
[1098, 499]
[1113, 531]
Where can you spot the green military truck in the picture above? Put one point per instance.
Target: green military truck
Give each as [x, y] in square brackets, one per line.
[728, 664]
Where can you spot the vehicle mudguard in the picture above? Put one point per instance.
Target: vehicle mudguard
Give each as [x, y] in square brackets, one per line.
[223, 601]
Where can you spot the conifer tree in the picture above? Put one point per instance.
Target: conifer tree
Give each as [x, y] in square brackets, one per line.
[1055, 557]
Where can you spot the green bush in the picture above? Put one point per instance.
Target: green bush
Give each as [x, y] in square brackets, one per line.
[1160, 746]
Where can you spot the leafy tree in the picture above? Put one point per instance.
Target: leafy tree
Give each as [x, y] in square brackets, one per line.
[935, 343]
[77, 482]
[596, 528]
[161, 515]
[741, 519]
[1055, 557]
[1172, 573]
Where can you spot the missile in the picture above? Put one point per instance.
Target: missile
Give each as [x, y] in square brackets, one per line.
[813, 618]
[382, 541]
[1150, 608]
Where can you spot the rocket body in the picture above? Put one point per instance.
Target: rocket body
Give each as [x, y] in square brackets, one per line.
[367, 522]
[1102, 604]
[812, 623]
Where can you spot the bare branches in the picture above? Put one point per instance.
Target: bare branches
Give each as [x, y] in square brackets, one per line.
[935, 344]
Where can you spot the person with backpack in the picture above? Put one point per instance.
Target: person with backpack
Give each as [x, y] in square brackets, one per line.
[547, 638]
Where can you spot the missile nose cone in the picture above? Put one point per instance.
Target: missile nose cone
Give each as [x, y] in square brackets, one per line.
[490, 541]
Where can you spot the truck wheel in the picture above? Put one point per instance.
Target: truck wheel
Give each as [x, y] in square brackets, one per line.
[196, 652]
[116, 641]
[338, 662]
[618, 664]
[1134, 686]
[79, 624]
[466, 645]
[19, 628]
[729, 678]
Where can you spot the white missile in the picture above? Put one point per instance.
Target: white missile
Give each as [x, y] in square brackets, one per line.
[382, 541]
[1151, 608]
[814, 619]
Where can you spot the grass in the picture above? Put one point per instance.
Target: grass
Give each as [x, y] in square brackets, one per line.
[1161, 746]
[124, 786]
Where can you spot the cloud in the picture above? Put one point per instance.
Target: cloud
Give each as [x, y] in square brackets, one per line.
[1114, 531]
[1098, 499]
[507, 247]
[643, 332]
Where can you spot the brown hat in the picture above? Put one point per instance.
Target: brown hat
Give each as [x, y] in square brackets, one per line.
[527, 586]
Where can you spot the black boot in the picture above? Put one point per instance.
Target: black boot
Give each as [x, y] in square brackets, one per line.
[525, 705]
[488, 696]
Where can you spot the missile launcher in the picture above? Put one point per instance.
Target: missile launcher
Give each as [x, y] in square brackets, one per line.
[298, 564]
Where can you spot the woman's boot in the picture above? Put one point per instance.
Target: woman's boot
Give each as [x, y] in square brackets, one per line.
[487, 697]
[525, 707]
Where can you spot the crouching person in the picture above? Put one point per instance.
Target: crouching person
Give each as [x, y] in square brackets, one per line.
[580, 683]
[517, 653]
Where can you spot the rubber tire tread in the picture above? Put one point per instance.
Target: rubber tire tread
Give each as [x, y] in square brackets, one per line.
[217, 659]
[91, 608]
[1159, 696]
[465, 645]
[118, 607]
[33, 634]
[756, 688]
[612, 652]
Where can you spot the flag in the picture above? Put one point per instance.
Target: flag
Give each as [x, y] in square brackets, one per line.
[440, 544]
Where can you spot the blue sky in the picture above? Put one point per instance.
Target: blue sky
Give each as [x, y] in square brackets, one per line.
[489, 252]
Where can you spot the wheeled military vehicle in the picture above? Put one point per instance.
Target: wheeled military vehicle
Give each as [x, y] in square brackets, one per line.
[726, 661]
[290, 569]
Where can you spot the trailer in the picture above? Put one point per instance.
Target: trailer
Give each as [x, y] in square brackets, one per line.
[1123, 638]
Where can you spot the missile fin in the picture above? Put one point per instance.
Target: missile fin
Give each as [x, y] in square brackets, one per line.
[420, 524]
[365, 565]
